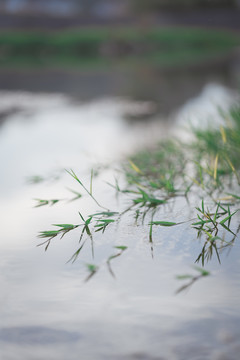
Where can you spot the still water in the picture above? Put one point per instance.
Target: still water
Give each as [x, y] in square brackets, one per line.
[48, 311]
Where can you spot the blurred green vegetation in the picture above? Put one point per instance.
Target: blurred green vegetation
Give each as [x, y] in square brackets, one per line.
[104, 46]
[214, 156]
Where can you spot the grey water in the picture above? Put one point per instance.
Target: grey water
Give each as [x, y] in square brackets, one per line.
[56, 121]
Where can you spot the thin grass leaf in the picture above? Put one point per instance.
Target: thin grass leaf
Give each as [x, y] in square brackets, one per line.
[66, 226]
[229, 220]
[121, 247]
[215, 167]
[105, 221]
[216, 213]
[233, 168]
[135, 167]
[217, 253]
[81, 217]
[225, 227]
[154, 201]
[223, 133]
[116, 186]
[48, 234]
[228, 217]
[202, 222]
[234, 196]
[105, 213]
[72, 173]
[163, 223]
[88, 221]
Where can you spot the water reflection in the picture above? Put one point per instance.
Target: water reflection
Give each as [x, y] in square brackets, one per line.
[133, 316]
[165, 89]
[36, 335]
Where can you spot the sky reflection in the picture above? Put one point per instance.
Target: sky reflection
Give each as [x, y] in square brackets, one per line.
[47, 310]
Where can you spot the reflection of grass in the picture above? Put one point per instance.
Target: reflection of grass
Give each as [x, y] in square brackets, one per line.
[192, 278]
[104, 46]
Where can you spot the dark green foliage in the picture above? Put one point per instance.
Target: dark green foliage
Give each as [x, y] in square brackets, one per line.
[99, 46]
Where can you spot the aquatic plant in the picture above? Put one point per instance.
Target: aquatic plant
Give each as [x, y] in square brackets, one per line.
[205, 171]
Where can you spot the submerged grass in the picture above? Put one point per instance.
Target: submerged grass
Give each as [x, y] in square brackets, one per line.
[205, 171]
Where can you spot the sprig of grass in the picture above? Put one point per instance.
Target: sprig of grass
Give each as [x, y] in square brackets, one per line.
[72, 173]
[49, 235]
[209, 222]
[163, 223]
[148, 200]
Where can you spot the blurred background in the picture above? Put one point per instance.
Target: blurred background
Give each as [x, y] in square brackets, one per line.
[157, 50]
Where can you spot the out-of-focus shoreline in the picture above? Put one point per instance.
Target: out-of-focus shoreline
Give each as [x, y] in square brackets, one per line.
[222, 18]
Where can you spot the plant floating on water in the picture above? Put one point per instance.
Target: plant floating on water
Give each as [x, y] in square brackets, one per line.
[208, 168]
[49, 235]
[89, 192]
[208, 224]
[163, 223]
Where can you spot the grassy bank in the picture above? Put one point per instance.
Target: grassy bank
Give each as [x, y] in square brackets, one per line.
[106, 46]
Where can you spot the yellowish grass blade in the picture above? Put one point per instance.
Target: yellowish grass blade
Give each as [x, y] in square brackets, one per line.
[215, 167]
[223, 133]
[135, 167]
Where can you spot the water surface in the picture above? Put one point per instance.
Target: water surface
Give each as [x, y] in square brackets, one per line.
[47, 310]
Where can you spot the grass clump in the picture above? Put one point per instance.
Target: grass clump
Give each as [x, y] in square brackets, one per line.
[159, 168]
[213, 156]
[205, 171]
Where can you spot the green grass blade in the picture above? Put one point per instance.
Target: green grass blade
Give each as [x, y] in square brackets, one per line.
[163, 223]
